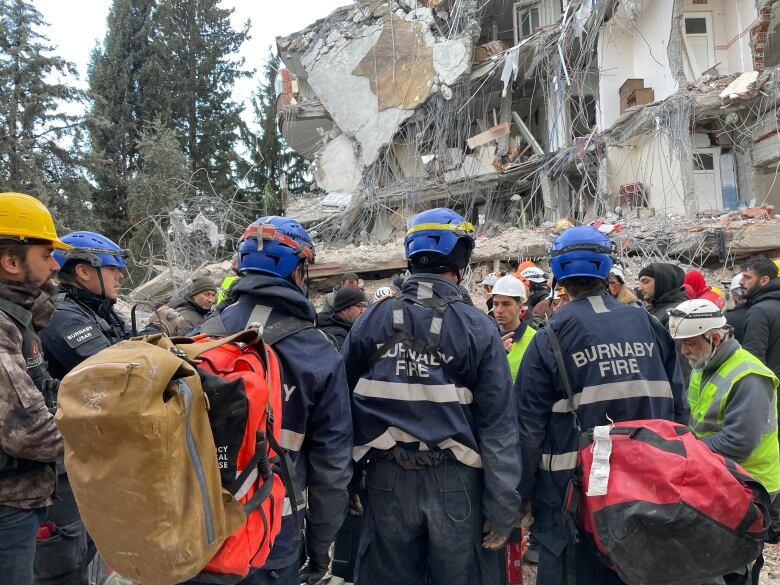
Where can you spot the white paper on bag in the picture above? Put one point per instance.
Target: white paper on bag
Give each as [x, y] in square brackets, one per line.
[599, 470]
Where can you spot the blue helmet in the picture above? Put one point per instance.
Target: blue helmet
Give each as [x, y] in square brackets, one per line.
[274, 245]
[581, 251]
[437, 232]
[92, 248]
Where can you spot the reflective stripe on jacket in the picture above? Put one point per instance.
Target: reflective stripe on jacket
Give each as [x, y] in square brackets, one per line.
[708, 405]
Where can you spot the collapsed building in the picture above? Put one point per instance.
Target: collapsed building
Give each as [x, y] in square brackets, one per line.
[517, 112]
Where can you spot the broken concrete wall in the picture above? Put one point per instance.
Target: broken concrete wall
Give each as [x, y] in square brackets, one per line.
[371, 68]
[632, 48]
[647, 159]
[338, 167]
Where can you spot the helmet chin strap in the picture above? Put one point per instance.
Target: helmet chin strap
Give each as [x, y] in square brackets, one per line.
[100, 280]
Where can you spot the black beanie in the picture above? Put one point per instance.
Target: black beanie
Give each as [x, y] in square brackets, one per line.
[346, 297]
[648, 270]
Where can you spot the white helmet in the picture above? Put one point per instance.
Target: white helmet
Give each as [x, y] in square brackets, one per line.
[736, 282]
[383, 292]
[695, 317]
[618, 271]
[534, 274]
[491, 279]
[510, 286]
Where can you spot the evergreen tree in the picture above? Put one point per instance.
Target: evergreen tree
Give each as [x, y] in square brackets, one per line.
[271, 156]
[35, 132]
[127, 86]
[200, 47]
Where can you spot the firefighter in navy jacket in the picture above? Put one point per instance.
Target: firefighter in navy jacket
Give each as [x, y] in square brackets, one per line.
[622, 365]
[434, 419]
[273, 256]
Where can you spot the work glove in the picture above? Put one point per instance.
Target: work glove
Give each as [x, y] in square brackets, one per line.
[169, 320]
[316, 570]
[355, 506]
[492, 540]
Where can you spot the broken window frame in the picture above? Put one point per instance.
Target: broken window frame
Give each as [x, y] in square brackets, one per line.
[522, 10]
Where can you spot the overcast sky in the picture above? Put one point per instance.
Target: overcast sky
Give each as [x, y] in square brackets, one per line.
[77, 25]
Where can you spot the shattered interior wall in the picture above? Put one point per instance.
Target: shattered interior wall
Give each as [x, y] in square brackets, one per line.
[634, 48]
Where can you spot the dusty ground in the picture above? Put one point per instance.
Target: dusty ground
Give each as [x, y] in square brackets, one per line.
[770, 575]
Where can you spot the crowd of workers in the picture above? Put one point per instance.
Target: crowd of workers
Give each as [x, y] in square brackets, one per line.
[442, 426]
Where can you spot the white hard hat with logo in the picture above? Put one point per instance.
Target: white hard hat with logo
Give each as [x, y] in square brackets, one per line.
[618, 271]
[736, 282]
[695, 317]
[510, 286]
[534, 274]
[491, 279]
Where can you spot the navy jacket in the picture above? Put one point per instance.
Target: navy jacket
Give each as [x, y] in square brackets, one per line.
[316, 422]
[622, 365]
[410, 400]
[83, 324]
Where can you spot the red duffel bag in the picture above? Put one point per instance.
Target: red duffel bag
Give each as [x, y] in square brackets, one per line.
[674, 512]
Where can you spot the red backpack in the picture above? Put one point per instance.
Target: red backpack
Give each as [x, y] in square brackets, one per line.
[242, 383]
[669, 511]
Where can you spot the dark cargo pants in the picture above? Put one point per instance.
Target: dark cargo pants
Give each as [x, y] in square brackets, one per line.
[421, 522]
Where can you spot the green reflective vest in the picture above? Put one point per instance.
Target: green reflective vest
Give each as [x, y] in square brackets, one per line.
[518, 350]
[224, 288]
[709, 403]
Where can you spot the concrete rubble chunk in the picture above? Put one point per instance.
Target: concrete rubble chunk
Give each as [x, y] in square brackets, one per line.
[338, 166]
[742, 86]
[399, 66]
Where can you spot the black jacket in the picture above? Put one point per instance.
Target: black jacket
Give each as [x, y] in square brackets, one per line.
[83, 324]
[737, 318]
[762, 326]
[336, 327]
[669, 291]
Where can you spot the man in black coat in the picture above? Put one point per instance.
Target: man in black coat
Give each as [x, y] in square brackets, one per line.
[661, 285]
[762, 302]
[348, 305]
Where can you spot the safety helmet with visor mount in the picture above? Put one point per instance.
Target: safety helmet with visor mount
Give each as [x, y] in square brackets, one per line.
[439, 240]
[695, 317]
[274, 246]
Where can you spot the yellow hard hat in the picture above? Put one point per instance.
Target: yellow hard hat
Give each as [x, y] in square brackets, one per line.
[777, 263]
[718, 292]
[26, 218]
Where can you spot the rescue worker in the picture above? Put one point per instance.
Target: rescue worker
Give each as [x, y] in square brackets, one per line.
[736, 316]
[617, 287]
[434, 419]
[194, 306]
[733, 398]
[348, 305]
[487, 285]
[539, 303]
[509, 297]
[621, 364]
[84, 323]
[273, 258]
[223, 292]
[30, 443]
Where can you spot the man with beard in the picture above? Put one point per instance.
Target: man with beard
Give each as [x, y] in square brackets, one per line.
[661, 286]
[762, 302]
[733, 397]
[29, 440]
[84, 323]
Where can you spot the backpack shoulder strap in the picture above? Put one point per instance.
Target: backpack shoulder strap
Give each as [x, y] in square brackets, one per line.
[558, 353]
[284, 327]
